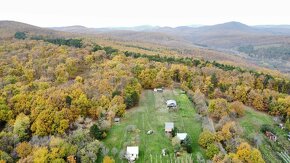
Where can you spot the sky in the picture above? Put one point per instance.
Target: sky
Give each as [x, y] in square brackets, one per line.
[125, 13]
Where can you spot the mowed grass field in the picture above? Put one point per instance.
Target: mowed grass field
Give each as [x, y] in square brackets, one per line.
[251, 124]
[253, 120]
[151, 114]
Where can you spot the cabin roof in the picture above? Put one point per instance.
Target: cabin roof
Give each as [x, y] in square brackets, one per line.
[181, 136]
[169, 126]
[133, 150]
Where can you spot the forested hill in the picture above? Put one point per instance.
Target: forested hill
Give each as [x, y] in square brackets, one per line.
[266, 46]
[59, 97]
[176, 41]
[8, 29]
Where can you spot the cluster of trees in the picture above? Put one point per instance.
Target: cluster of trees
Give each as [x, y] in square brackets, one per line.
[244, 153]
[207, 140]
[53, 148]
[260, 80]
[68, 42]
[58, 41]
[222, 138]
[108, 49]
[20, 35]
[236, 151]
[220, 108]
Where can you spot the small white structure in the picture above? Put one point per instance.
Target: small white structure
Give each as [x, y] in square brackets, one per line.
[171, 103]
[169, 126]
[158, 90]
[181, 136]
[281, 126]
[149, 132]
[132, 153]
[117, 119]
[164, 152]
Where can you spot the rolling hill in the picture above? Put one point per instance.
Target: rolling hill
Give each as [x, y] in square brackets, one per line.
[8, 29]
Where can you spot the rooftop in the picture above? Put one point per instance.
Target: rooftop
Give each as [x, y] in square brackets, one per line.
[170, 102]
[181, 136]
[133, 150]
[169, 125]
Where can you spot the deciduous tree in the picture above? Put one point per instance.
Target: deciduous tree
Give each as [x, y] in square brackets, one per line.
[21, 126]
[23, 149]
[218, 108]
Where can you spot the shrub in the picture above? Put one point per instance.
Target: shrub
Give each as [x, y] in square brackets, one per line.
[206, 138]
[187, 143]
[211, 150]
[96, 132]
[131, 99]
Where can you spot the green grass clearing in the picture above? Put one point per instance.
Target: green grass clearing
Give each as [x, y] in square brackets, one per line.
[251, 124]
[151, 114]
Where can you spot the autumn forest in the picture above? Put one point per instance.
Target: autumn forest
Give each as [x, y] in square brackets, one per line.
[60, 94]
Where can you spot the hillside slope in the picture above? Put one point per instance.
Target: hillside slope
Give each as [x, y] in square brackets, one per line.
[8, 29]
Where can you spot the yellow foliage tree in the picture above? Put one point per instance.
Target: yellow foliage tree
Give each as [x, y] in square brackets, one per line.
[107, 159]
[40, 154]
[218, 108]
[23, 149]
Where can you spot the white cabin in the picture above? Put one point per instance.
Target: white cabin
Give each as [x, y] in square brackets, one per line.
[181, 136]
[171, 103]
[169, 126]
[132, 153]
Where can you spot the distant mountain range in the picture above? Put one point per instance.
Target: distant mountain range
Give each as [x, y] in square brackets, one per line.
[230, 35]
[226, 35]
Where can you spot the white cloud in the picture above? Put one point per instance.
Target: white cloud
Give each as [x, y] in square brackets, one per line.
[103, 13]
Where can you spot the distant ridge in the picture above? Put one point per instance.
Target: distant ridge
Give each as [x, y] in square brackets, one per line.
[233, 25]
[226, 35]
[273, 26]
[8, 29]
[17, 25]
